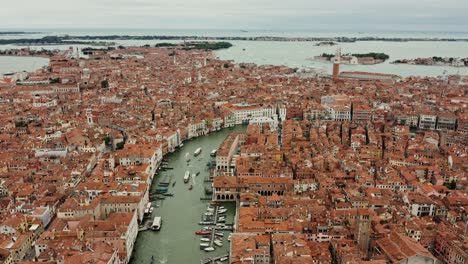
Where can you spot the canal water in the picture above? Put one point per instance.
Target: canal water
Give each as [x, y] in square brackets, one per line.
[176, 242]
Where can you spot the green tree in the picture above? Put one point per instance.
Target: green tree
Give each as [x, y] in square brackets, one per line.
[107, 140]
[54, 80]
[452, 185]
[120, 145]
[104, 84]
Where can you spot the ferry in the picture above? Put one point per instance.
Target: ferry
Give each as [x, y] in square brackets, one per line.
[213, 152]
[197, 151]
[186, 176]
[203, 232]
[157, 222]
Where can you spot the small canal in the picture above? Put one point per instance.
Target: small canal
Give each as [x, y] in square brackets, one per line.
[176, 242]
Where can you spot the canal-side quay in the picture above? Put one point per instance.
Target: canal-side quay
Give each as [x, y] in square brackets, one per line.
[183, 213]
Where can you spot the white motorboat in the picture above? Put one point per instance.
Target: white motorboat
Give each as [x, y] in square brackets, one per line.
[209, 249]
[197, 151]
[186, 176]
[218, 243]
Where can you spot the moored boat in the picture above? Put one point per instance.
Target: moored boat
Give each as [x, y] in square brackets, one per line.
[203, 232]
[213, 152]
[204, 244]
[157, 222]
[208, 249]
[204, 239]
[205, 223]
[218, 243]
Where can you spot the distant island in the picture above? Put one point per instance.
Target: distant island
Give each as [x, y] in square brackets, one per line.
[437, 61]
[197, 45]
[356, 58]
[17, 32]
[326, 44]
[50, 40]
[107, 39]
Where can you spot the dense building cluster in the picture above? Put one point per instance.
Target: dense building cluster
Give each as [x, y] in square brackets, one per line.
[360, 168]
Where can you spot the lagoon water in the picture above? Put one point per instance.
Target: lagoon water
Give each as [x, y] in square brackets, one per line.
[16, 64]
[292, 54]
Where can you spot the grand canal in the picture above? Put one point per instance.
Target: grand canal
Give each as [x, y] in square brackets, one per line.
[176, 242]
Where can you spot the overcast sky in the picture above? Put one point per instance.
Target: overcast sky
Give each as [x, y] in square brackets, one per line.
[424, 15]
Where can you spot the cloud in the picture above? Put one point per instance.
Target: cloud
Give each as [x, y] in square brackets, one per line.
[272, 14]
